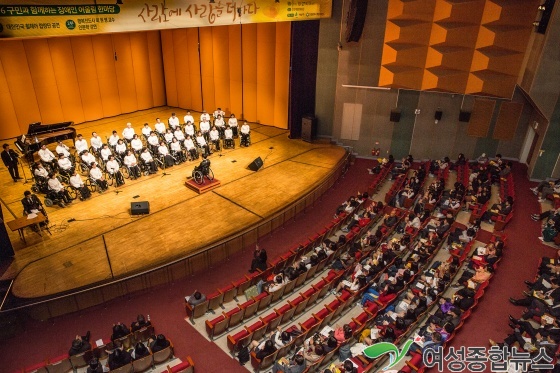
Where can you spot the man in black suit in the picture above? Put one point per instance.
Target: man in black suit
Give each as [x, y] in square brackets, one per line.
[10, 159]
[32, 202]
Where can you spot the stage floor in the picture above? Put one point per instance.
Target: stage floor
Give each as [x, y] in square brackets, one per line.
[106, 242]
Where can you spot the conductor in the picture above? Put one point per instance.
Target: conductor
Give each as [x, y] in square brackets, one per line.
[10, 159]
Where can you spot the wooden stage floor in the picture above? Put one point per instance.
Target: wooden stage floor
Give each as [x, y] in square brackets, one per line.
[106, 242]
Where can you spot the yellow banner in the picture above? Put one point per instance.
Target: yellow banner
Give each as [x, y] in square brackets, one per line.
[75, 17]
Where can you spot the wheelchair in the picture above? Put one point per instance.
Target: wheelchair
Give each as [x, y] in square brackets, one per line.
[83, 168]
[202, 171]
[229, 144]
[245, 140]
[40, 185]
[53, 198]
[93, 185]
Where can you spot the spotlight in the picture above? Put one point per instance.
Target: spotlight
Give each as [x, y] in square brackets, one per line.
[536, 24]
[541, 8]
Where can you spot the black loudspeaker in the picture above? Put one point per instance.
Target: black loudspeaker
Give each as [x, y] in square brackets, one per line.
[438, 114]
[139, 208]
[256, 164]
[395, 115]
[464, 116]
[308, 128]
[356, 20]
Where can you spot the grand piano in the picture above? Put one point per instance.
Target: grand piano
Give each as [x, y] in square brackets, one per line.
[43, 134]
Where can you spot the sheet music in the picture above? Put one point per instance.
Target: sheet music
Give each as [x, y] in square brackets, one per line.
[31, 216]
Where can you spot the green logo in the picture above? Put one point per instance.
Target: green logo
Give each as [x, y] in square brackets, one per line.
[379, 349]
[70, 25]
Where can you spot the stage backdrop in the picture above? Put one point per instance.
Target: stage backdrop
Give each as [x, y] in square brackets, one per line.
[33, 18]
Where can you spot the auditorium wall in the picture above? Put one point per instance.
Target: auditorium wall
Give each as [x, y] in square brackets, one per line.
[359, 64]
[78, 78]
[244, 69]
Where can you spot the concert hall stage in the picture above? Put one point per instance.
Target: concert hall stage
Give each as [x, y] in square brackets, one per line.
[184, 232]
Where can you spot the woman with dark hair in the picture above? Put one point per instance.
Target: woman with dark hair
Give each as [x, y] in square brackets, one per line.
[119, 330]
[140, 323]
[140, 350]
[281, 338]
[259, 260]
[263, 349]
[119, 358]
[159, 343]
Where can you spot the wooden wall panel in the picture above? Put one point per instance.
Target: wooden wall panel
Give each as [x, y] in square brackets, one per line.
[104, 71]
[508, 120]
[125, 72]
[182, 71]
[20, 84]
[282, 74]
[235, 72]
[249, 36]
[195, 80]
[44, 81]
[8, 117]
[207, 68]
[67, 80]
[141, 68]
[156, 68]
[266, 47]
[168, 53]
[480, 118]
[220, 48]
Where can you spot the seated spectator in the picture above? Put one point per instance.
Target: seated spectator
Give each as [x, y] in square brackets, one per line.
[196, 298]
[119, 330]
[549, 231]
[263, 349]
[296, 365]
[463, 299]
[281, 338]
[313, 350]
[140, 323]
[95, 367]
[159, 343]
[390, 219]
[140, 351]
[472, 280]
[553, 214]
[80, 344]
[500, 208]
[119, 357]
[260, 258]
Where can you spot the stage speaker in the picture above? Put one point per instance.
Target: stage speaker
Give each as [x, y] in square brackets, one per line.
[308, 128]
[356, 20]
[464, 116]
[256, 164]
[139, 208]
[438, 114]
[395, 115]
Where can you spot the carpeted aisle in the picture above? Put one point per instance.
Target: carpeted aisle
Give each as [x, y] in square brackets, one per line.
[41, 340]
[524, 250]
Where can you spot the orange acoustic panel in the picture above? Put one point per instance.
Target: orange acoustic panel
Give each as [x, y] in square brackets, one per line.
[125, 73]
[8, 118]
[207, 68]
[141, 68]
[195, 79]
[508, 120]
[44, 81]
[103, 72]
[282, 74]
[249, 63]
[167, 47]
[481, 117]
[182, 75]
[266, 46]
[235, 72]
[66, 79]
[220, 50]
[156, 68]
[20, 83]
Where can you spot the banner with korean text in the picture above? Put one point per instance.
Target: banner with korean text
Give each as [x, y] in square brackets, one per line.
[41, 18]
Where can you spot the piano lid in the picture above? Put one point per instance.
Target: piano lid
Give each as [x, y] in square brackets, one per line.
[37, 127]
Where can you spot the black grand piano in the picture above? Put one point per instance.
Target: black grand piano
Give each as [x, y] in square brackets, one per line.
[43, 134]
